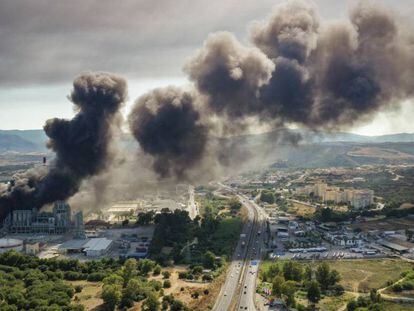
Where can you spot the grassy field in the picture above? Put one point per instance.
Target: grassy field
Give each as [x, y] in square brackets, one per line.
[301, 209]
[391, 306]
[358, 277]
[90, 294]
[362, 275]
[335, 303]
[385, 224]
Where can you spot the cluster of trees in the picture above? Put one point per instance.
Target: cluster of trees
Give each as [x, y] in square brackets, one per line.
[267, 196]
[371, 303]
[172, 229]
[213, 232]
[129, 284]
[291, 277]
[406, 284]
[234, 205]
[327, 215]
[33, 286]
[196, 272]
[145, 218]
[68, 269]
[30, 283]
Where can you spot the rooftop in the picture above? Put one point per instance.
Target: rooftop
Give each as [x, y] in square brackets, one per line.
[97, 244]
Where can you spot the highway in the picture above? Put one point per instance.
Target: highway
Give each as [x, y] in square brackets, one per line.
[246, 294]
[240, 286]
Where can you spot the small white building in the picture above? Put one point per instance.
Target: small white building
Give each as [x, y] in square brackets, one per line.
[97, 247]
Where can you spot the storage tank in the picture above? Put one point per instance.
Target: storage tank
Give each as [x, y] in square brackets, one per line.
[10, 244]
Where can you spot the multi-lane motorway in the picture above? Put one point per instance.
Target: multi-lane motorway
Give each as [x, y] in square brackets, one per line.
[239, 289]
[245, 296]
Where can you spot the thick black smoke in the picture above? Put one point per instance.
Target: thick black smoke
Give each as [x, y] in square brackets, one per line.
[290, 32]
[167, 126]
[323, 76]
[299, 71]
[81, 145]
[229, 75]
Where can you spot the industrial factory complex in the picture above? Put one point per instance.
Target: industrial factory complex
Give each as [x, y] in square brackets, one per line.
[33, 221]
[63, 233]
[58, 231]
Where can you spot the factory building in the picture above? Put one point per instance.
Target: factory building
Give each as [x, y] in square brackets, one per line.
[79, 226]
[33, 221]
[90, 247]
[97, 247]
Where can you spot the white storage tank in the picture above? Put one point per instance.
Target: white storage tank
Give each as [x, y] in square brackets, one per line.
[10, 244]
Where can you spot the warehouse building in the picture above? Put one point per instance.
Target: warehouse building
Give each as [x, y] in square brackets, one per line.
[97, 247]
[94, 247]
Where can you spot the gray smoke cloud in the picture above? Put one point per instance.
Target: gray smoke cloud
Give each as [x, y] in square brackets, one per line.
[229, 75]
[82, 145]
[348, 72]
[299, 71]
[290, 32]
[167, 126]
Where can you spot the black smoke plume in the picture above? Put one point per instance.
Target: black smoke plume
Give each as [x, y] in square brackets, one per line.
[299, 71]
[81, 145]
[167, 126]
[229, 75]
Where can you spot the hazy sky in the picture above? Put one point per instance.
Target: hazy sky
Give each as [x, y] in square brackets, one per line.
[46, 43]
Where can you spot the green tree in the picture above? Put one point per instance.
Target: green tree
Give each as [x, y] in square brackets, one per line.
[178, 305]
[145, 266]
[113, 279]
[277, 284]
[129, 270]
[234, 204]
[145, 218]
[157, 270]
[323, 275]
[289, 289]
[132, 292]
[308, 273]
[111, 295]
[292, 271]
[374, 296]
[327, 277]
[151, 303]
[166, 284]
[313, 292]
[352, 305]
[334, 277]
[209, 260]
[326, 214]
[267, 196]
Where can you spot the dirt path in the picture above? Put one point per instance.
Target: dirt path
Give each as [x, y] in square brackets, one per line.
[355, 288]
[395, 298]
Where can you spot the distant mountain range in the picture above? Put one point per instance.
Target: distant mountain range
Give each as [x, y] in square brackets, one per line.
[35, 140]
[22, 140]
[349, 137]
